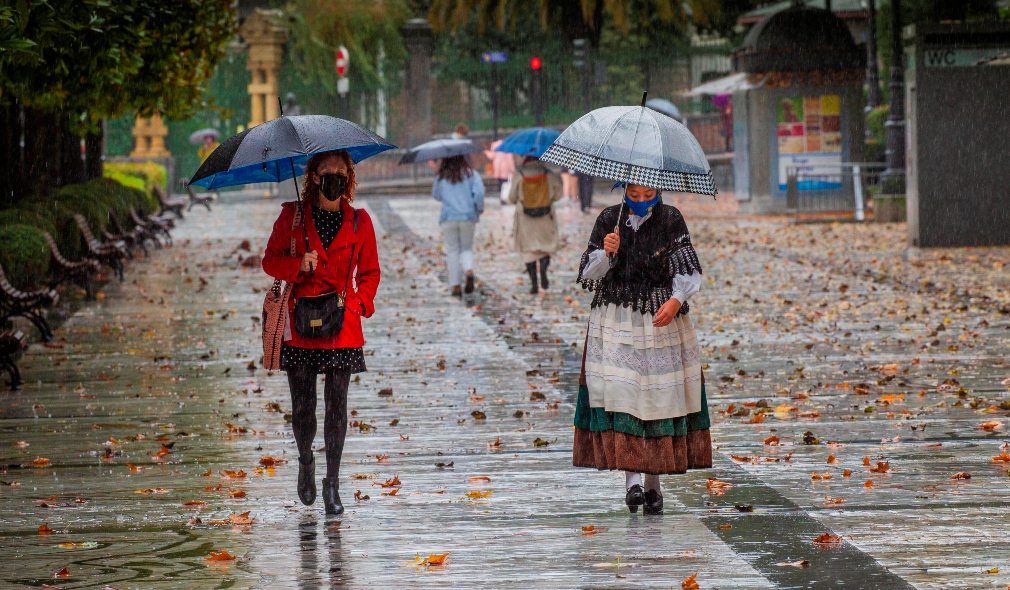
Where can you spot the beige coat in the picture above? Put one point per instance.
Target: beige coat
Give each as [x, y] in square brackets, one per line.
[534, 234]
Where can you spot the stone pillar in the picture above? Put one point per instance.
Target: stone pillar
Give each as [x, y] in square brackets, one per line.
[417, 37]
[149, 135]
[264, 33]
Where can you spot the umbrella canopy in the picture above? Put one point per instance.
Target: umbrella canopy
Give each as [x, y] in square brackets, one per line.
[726, 85]
[438, 149]
[196, 138]
[529, 142]
[279, 149]
[637, 145]
[666, 107]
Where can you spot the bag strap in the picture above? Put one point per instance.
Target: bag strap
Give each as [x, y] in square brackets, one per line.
[350, 264]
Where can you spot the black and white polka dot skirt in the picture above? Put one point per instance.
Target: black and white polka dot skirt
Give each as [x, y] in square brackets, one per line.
[351, 360]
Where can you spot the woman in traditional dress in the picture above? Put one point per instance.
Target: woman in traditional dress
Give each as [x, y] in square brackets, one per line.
[641, 406]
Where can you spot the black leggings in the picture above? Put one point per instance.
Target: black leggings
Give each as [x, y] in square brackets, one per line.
[302, 381]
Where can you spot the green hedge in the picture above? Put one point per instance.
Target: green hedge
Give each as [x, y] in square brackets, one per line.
[24, 255]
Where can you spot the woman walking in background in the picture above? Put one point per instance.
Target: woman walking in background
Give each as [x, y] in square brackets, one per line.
[535, 226]
[641, 406]
[340, 256]
[461, 191]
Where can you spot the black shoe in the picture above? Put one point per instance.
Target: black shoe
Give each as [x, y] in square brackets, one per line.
[468, 287]
[544, 263]
[531, 269]
[653, 502]
[307, 482]
[634, 498]
[456, 292]
[331, 496]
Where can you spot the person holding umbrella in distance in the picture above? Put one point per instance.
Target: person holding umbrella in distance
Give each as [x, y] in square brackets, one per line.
[324, 260]
[460, 190]
[641, 405]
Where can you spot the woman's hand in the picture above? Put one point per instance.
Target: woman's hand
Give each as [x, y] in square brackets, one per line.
[666, 313]
[309, 261]
[611, 243]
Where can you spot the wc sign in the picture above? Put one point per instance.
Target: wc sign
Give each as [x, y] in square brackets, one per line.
[961, 58]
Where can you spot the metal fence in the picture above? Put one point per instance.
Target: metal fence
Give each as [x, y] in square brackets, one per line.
[829, 189]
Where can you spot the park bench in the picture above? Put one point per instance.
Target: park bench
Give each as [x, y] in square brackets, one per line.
[80, 272]
[174, 206]
[110, 254]
[155, 227]
[195, 199]
[12, 343]
[133, 238]
[30, 305]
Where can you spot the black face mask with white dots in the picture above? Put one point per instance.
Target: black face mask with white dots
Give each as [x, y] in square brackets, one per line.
[333, 186]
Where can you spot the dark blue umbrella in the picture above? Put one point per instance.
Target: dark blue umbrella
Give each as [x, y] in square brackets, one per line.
[279, 149]
[532, 141]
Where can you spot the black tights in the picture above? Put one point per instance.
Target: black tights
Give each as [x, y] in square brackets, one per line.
[302, 381]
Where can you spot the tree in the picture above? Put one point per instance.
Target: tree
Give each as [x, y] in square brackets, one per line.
[65, 65]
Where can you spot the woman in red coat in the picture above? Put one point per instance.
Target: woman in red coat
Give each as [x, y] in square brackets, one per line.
[340, 240]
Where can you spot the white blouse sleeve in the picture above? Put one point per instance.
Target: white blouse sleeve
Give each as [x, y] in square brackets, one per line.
[684, 286]
[597, 266]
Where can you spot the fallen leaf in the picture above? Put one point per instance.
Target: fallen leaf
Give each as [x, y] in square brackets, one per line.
[846, 473]
[991, 426]
[63, 573]
[22, 444]
[194, 503]
[435, 559]
[832, 460]
[590, 530]
[152, 491]
[690, 583]
[717, 487]
[827, 540]
[881, 467]
[479, 478]
[992, 570]
[820, 476]
[391, 492]
[241, 519]
[477, 494]
[359, 497]
[829, 501]
[772, 441]
[220, 556]
[1003, 457]
[230, 474]
[961, 475]
[868, 484]
[800, 564]
[389, 483]
[237, 493]
[268, 461]
[44, 529]
[40, 462]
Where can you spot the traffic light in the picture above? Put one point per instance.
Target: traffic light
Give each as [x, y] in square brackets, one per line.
[536, 90]
[535, 64]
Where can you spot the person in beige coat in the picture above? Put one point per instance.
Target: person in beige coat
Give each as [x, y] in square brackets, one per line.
[535, 229]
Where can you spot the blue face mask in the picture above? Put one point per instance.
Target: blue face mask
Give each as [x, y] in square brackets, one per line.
[641, 208]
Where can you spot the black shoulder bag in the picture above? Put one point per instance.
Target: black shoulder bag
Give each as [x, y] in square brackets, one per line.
[322, 316]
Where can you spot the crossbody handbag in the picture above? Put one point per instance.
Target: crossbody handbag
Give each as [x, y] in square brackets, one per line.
[322, 316]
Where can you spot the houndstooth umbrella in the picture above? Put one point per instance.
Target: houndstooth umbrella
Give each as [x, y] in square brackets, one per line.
[636, 145]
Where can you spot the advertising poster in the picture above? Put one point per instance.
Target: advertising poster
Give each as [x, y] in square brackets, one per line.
[809, 130]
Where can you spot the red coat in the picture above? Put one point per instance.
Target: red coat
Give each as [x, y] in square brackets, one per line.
[330, 273]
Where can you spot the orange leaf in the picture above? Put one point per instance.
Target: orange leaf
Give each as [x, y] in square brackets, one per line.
[690, 583]
[382, 458]
[435, 559]
[866, 461]
[868, 484]
[1003, 457]
[133, 468]
[590, 530]
[152, 491]
[847, 473]
[827, 540]
[757, 419]
[828, 500]
[821, 476]
[241, 518]
[991, 426]
[44, 529]
[391, 492]
[890, 398]
[40, 462]
[961, 475]
[389, 483]
[207, 473]
[479, 478]
[881, 467]
[220, 556]
[268, 461]
[772, 440]
[194, 503]
[233, 474]
[716, 487]
[63, 573]
[237, 493]
[832, 460]
[477, 494]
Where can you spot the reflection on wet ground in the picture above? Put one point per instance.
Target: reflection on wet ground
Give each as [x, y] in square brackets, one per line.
[851, 383]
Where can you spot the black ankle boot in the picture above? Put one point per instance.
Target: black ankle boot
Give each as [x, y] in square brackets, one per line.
[331, 496]
[544, 263]
[531, 269]
[634, 498]
[307, 481]
[653, 502]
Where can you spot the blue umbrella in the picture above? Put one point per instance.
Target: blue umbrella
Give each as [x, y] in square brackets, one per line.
[279, 149]
[532, 141]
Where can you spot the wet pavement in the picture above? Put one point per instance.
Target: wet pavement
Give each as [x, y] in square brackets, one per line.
[857, 389]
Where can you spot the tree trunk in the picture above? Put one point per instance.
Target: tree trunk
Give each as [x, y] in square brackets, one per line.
[10, 152]
[72, 162]
[93, 155]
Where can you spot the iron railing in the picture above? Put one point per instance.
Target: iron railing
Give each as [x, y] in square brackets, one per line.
[825, 189]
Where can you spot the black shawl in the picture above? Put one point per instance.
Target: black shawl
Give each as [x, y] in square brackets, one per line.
[641, 275]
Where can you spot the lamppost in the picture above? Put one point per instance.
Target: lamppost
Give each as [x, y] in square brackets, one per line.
[872, 72]
[893, 178]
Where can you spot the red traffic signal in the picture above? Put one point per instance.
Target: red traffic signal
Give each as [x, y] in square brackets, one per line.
[535, 63]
